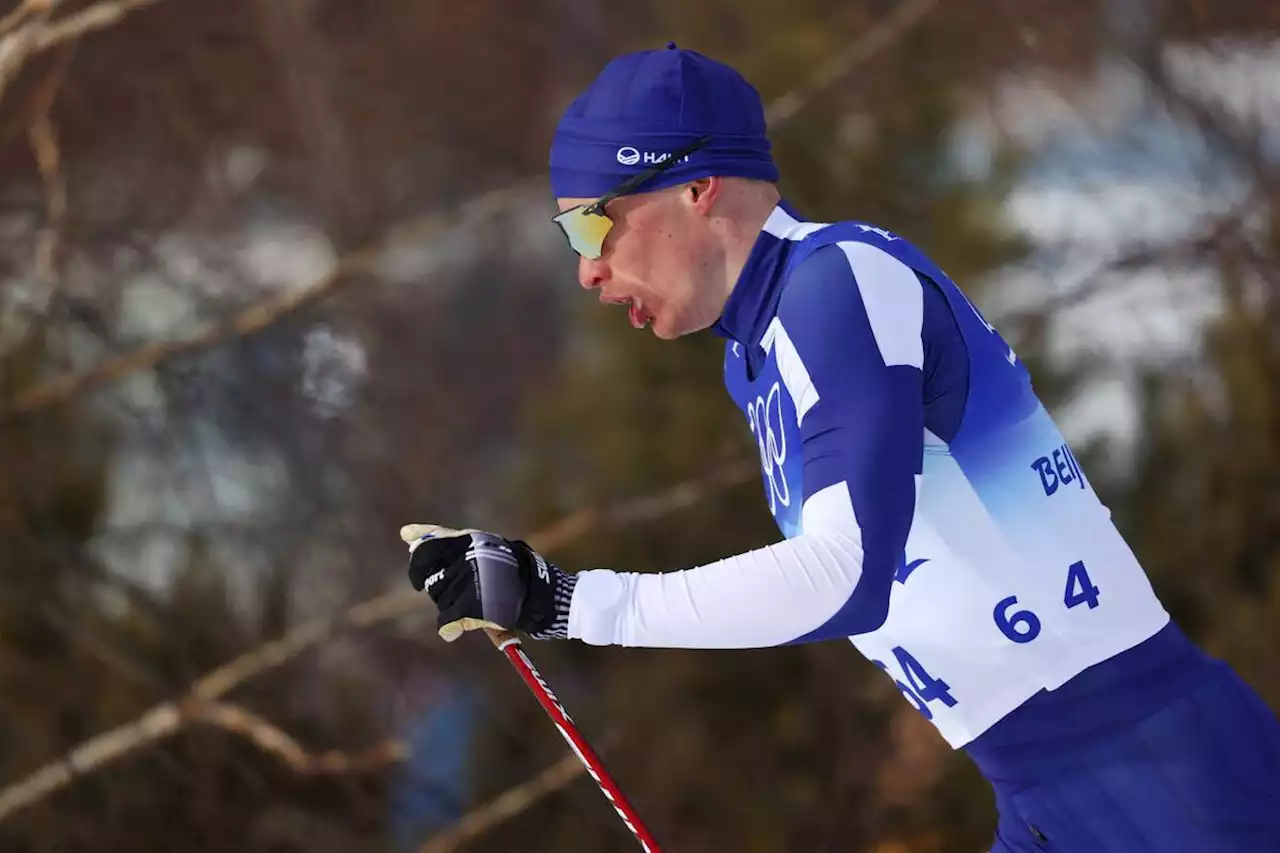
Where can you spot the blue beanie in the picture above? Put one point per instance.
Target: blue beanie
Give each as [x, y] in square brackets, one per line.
[645, 105]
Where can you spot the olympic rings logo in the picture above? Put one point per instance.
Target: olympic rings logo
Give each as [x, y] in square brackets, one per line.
[765, 418]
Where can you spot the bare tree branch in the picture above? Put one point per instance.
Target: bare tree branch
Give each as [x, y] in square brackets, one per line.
[303, 55]
[1241, 139]
[22, 11]
[261, 316]
[100, 648]
[43, 136]
[169, 718]
[20, 43]
[884, 34]
[274, 741]
[159, 722]
[36, 308]
[506, 805]
[166, 718]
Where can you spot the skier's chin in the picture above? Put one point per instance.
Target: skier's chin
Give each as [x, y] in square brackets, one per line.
[662, 329]
[669, 323]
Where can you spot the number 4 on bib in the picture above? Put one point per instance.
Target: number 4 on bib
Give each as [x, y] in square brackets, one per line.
[922, 688]
[927, 687]
[1080, 590]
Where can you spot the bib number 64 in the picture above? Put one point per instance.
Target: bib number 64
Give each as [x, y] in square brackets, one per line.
[1023, 626]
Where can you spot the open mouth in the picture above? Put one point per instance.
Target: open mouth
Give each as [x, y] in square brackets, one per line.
[636, 312]
[638, 316]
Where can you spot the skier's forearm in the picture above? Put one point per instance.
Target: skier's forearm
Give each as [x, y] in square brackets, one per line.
[794, 589]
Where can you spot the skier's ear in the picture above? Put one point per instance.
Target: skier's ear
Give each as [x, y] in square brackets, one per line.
[703, 192]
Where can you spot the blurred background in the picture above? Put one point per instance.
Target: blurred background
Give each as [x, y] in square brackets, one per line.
[278, 277]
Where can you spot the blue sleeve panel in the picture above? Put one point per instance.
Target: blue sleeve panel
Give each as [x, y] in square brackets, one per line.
[867, 429]
[946, 365]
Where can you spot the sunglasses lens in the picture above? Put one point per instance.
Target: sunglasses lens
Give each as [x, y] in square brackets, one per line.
[585, 230]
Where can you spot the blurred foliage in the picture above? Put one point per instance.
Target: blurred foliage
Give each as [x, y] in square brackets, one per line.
[161, 525]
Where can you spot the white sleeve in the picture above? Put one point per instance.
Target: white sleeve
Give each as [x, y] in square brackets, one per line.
[767, 597]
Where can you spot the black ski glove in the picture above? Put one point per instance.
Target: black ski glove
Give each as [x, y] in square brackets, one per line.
[481, 580]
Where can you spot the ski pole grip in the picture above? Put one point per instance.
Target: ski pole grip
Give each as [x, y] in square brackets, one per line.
[502, 638]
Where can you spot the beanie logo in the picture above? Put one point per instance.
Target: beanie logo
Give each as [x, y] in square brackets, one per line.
[629, 156]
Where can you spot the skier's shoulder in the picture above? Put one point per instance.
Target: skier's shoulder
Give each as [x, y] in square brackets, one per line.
[856, 238]
[849, 276]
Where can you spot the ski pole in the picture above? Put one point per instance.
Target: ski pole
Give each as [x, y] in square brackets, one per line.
[509, 644]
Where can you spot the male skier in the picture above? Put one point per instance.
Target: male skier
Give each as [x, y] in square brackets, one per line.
[930, 508]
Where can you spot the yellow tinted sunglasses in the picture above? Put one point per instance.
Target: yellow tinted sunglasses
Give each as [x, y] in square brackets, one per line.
[586, 225]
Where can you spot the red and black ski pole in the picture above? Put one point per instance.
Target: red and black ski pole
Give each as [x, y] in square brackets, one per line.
[509, 644]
